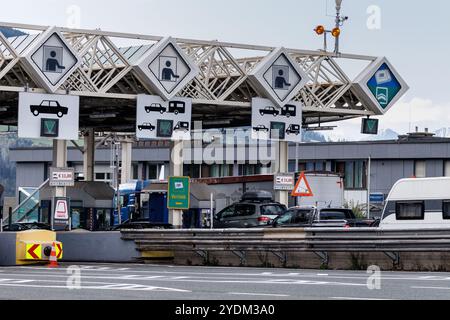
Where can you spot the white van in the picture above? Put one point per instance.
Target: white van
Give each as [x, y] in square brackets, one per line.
[418, 204]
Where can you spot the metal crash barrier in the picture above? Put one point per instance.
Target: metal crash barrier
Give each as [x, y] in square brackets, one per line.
[279, 242]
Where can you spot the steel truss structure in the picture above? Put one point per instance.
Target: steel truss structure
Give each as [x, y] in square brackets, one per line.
[106, 81]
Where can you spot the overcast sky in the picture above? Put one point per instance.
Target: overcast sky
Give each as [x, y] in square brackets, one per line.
[412, 35]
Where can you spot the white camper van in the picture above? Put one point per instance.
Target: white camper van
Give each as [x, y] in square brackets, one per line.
[418, 204]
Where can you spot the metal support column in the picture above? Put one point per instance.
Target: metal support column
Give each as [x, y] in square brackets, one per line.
[282, 167]
[176, 170]
[127, 151]
[89, 155]
[59, 161]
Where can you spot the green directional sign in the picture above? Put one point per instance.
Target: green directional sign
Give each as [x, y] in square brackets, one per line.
[49, 128]
[179, 193]
[369, 126]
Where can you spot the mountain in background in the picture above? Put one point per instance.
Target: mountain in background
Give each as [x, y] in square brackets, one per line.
[387, 134]
[9, 32]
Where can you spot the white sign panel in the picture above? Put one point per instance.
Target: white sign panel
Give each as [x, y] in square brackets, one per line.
[284, 181]
[270, 122]
[51, 59]
[166, 68]
[380, 86]
[48, 116]
[163, 120]
[279, 77]
[61, 210]
[62, 177]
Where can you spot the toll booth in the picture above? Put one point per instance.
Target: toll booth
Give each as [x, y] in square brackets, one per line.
[91, 205]
[198, 216]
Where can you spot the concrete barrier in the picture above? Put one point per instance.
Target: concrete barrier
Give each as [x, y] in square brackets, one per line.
[97, 247]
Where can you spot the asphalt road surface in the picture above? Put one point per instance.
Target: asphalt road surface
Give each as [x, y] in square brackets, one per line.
[136, 282]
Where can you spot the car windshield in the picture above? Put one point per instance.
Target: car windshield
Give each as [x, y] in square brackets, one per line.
[285, 218]
[272, 210]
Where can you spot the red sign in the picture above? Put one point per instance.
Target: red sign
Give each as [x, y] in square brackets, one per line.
[32, 253]
[302, 188]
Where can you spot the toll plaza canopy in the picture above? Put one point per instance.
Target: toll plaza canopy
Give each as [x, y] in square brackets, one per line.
[104, 70]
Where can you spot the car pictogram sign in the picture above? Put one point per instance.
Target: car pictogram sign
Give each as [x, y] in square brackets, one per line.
[302, 188]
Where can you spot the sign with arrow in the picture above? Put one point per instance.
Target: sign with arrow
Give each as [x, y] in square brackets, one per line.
[302, 188]
[34, 252]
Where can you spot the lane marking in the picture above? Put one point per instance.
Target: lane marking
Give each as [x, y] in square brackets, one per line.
[432, 288]
[258, 294]
[361, 299]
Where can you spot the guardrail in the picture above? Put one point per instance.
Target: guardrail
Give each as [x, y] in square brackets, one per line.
[321, 242]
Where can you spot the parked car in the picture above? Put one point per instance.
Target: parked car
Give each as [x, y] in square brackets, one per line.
[293, 129]
[261, 128]
[16, 227]
[182, 126]
[155, 107]
[256, 209]
[177, 107]
[269, 111]
[146, 126]
[312, 217]
[49, 107]
[141, 224]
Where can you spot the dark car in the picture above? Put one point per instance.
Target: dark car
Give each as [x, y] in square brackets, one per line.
[289, 110]
[261, 128]
[49, 107]
[177, 107]
[269, 111]
[146, 126]
[140, 225]
[182, 126]
[293, 129]
[155, 107]
[312, 217]
[256, 209]
[17, 227]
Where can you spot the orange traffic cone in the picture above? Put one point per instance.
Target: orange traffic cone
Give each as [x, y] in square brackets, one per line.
[53, 260]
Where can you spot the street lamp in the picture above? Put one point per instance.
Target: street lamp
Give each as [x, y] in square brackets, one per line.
[336, 31]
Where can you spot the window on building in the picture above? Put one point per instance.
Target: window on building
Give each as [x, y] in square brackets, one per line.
[410, 210]
[446, 210]
[252, 169]
[152, 172]
[216, 171]
[420, 169]
[135, 172]
[447, 169]
[192, 170]
[355, 175]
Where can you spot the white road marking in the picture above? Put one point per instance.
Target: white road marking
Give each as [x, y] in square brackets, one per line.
[431, 288]
[362, 299]
[322, 274]
[258, 294]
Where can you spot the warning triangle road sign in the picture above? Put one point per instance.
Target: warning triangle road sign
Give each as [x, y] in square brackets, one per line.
[302, 188]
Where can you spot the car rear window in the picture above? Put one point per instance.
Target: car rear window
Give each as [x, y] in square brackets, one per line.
[272, 210]
[245, 210]
[333, 215]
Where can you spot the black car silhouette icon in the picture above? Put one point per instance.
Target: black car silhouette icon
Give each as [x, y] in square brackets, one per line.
[49, 107]
[155, 107]
[269, 111]
[261, 128]
[293, 129]
[177, 107]
[146, 126]
[289, 110]
[182, 126]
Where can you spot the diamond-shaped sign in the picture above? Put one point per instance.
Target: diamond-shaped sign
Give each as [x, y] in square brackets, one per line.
[380, 86]
[166, 69]
[279, 77]
[51, 60]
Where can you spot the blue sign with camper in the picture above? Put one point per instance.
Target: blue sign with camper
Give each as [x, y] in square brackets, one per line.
[384, 86]
[377, 198]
